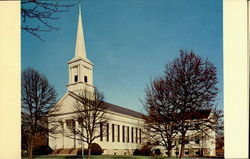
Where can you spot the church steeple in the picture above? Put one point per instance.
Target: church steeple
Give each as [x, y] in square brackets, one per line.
[80, 51]
[80, 68]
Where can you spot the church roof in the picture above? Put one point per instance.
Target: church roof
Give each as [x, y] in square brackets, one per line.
[125, 111]
[114, 108]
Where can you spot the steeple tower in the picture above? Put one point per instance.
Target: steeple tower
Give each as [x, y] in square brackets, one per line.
[80, 67]
[80, 51]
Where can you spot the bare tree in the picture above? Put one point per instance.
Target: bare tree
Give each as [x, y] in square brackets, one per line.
[161, 127]
[176, 102]
[191, 84]
[37, 15]
[38, 98]
[91, 112]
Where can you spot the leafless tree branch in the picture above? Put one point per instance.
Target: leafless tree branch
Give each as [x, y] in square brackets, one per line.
[42, 13]
[91, 114]
[175, 103]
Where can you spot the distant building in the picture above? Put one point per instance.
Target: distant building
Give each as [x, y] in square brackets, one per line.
[199, 143]
[124, 134]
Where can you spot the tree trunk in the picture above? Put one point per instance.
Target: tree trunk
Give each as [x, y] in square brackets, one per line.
[30, 148]
[182, 145]
[89, 151]
[169, 151]
[169, 147]
[202, 153]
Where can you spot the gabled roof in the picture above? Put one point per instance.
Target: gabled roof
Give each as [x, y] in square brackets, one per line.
[125, 111]
[115, 108]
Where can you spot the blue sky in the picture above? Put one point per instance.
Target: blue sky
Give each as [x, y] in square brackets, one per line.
[130, 42]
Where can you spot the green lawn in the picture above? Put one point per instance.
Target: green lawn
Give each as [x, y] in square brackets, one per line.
[98, 157]
[107, 157]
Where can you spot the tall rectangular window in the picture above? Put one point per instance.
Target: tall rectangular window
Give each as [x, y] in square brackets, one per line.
[76, 78]
[85, 79]
[113, 132]
[118, 131]
[132, 135]
[107, 131]
[101, 132]
[127, 134]
[75, 73]
[123, 133]
[136, 135]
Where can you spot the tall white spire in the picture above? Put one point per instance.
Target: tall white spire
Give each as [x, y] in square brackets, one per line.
[80, 68]
[80, 51]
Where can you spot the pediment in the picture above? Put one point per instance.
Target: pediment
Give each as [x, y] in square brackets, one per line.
[66, 104]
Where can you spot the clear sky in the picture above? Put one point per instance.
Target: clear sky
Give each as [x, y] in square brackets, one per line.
[129, 42]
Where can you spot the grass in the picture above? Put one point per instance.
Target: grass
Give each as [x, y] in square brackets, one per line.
[97, 157]
[107, 157]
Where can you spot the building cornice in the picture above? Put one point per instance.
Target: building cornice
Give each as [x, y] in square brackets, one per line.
[80, 59]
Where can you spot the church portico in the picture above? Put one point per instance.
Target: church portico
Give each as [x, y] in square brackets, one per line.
[121, 137]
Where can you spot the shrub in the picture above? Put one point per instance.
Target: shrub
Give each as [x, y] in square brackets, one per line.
[144, 151]
[137, 152]
[42, 150]
[157, 152]
[95, 150]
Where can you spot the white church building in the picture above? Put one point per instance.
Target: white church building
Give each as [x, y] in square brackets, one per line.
[125, 133]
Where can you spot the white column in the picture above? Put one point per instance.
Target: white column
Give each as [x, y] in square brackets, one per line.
[70, 81]
[78, 73]
[63, 133]
[76, 128]
[76, 123]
